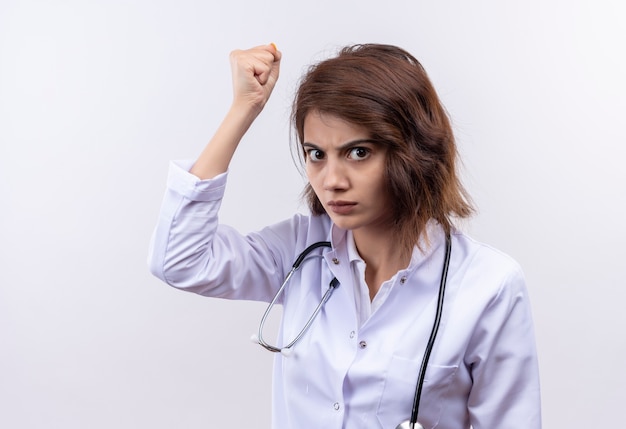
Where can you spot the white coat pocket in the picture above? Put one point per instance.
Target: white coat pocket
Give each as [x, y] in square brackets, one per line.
[396, 401]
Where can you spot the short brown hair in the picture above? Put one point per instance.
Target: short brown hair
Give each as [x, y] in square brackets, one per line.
[386, 90]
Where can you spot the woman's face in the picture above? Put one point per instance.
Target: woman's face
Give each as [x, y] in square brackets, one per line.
[347, 172]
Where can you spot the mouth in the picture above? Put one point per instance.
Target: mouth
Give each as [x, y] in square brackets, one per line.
[341, 207]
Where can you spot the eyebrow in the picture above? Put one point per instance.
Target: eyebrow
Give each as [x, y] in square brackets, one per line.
[344, 146]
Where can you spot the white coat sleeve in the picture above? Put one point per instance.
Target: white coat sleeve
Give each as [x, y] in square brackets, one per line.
[502, 356]
[191, 251]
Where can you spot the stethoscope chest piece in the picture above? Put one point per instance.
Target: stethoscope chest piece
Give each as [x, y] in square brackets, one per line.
[407, 425]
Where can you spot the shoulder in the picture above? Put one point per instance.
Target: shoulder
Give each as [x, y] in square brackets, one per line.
[485, 268]
[472, 248]
[305, 225]
[297, 232]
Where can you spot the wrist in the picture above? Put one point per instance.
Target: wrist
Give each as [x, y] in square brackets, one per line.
[244, 111]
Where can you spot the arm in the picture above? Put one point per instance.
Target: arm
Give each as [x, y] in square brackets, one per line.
[505, 390]
[188, 249]
[254, 74]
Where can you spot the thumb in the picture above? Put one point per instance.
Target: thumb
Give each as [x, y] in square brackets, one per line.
[268, 73]
[274, 70]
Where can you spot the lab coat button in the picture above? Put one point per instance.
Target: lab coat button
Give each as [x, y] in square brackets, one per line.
[335, 261]
[336, 406]
[403, 280]
[352, 334]
[362, 344]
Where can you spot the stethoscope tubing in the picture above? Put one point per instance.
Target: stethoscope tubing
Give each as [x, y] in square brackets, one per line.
[296, 265]
[332, 286]
[433, 333]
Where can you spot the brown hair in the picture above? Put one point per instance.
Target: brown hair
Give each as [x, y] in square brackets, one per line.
[386, 90]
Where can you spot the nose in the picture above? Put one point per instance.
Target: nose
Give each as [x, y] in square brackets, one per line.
[335, 177]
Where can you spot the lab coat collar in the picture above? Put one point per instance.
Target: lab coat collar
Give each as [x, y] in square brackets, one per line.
[430, 242]
[336, 258]
[341, 238]
[353, 253]
[338, 236]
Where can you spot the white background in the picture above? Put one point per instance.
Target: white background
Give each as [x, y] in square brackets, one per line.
[97, 97]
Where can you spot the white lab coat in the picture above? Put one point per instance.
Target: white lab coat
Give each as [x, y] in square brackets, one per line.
[350, 373]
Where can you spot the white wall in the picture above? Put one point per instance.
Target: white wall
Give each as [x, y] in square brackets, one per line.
[96, 97]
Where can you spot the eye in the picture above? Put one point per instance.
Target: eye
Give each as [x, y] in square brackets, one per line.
[359, 153]
[315, 154]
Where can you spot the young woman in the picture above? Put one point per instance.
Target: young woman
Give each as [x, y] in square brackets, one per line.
[410, 295]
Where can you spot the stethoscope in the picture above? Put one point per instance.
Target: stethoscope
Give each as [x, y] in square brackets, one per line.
[334, 284]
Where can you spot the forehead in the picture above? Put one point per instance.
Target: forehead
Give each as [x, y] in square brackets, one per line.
[326, 128]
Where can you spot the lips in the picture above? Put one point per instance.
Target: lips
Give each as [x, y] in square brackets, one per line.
[341, 207]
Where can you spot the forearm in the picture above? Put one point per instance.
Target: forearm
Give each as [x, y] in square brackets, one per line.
[255, 72]
[216, 156]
